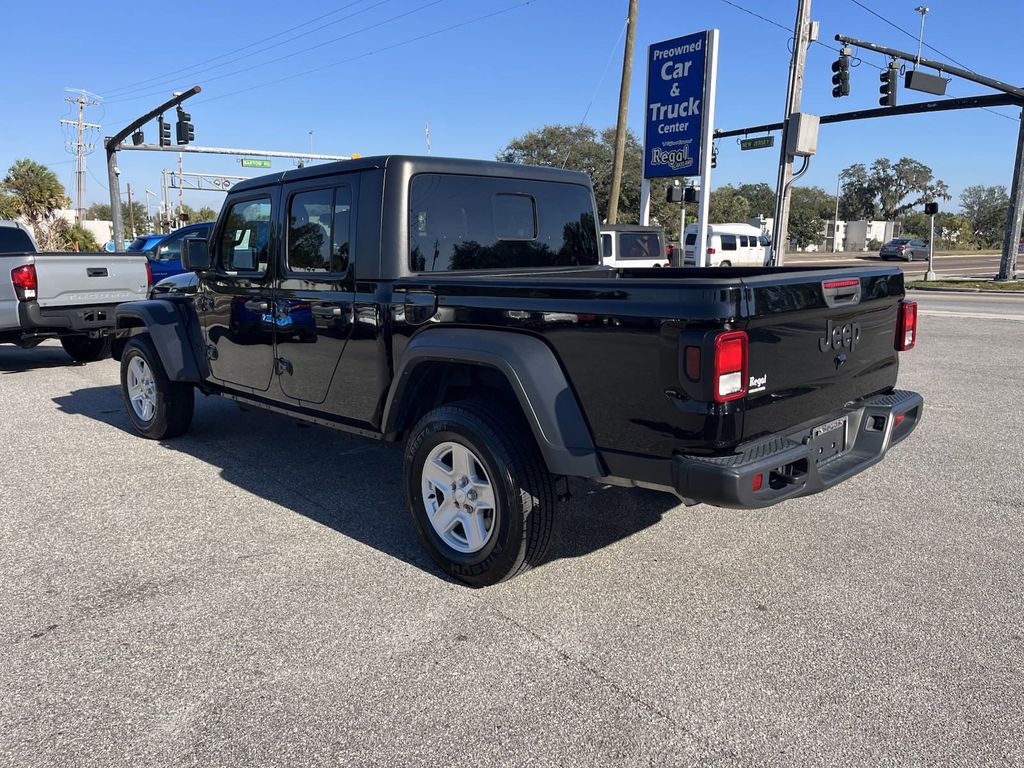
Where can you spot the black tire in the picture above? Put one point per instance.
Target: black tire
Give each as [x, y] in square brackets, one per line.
[85, 350]
[725, 264]
[174, 400]
[523, 489]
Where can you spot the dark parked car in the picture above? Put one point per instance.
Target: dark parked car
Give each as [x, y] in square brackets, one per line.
[183, 284]
[904, 248]
[461, 307]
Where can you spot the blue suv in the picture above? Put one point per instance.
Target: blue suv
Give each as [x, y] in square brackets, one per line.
[165, 257]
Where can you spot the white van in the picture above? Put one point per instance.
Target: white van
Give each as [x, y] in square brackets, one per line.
[632, 245]
[730, 245]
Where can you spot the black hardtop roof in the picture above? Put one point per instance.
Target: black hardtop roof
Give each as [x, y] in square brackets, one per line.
[418, 164]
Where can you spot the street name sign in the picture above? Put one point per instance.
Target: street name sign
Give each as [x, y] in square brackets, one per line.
[758, 142]
[248, 162]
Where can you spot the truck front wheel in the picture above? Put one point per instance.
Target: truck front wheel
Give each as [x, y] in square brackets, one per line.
[157, 407]
[85, 350]
[478, 491]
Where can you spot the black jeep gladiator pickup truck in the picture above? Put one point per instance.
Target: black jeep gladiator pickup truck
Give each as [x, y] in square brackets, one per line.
[460, 306]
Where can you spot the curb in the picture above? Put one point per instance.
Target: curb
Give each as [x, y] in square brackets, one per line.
[912, 287]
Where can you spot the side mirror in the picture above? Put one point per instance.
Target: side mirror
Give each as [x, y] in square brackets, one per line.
[195, 254]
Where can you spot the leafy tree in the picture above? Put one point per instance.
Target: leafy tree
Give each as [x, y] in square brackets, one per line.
[888, 189]
[952, 230]
[761, 198]
[728, 205]
[74, 237]
[98, 212]
[582, 148]
[810, 208]
[192, 216]
[38, 191]
[10, 207]
[857, 198]
[986, 209]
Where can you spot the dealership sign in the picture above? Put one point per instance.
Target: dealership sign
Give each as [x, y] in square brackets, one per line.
[677, 80]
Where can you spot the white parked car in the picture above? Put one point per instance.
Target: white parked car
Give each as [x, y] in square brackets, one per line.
[730, 245]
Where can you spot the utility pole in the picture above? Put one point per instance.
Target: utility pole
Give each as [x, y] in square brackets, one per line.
[81, 147]
[1015, 217]
[131, 211]
[835, 221]
[620, 124]
[794, 92]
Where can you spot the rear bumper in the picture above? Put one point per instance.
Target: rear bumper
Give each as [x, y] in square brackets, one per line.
[788, 463]
[57, 320]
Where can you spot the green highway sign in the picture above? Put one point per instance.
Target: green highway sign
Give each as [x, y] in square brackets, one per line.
[761, 142]
[248, 162]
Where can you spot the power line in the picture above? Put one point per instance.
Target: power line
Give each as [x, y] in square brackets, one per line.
[197, 68]
[299, 52]
[912, 36]
[789, 30]
[408, 41]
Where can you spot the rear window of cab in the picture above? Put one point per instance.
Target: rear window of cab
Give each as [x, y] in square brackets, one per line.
[480, 222]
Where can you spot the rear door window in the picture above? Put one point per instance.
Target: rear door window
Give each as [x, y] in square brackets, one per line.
[728, 242]
[479, 222]
[319, 231]
[606, 246]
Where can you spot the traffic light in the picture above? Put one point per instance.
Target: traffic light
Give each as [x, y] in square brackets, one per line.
[165, 132]
[690, 193]
[674, 194]
[184, 128]
[841, 78]
[931, 209]
[714, 156]
[889, 80]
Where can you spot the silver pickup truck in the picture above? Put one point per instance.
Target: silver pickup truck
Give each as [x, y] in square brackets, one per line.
[68, 296]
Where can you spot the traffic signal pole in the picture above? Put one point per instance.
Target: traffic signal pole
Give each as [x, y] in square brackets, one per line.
[1015, 217]
[112, 144]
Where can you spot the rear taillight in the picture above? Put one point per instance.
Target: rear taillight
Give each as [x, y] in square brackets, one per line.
[149, 274]
[711, 251]
[24, 280]
[906, 326]
[730, 382]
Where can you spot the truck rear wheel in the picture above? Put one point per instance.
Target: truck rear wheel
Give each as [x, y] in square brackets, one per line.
[478, 491]
[157, 407]
[85, 350]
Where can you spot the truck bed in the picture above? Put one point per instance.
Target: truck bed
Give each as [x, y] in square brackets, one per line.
[620, 336]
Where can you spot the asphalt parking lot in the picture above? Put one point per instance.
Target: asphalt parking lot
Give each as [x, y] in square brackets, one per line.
[254, 594]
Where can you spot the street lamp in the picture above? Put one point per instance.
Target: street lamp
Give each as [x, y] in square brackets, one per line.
[923, 10]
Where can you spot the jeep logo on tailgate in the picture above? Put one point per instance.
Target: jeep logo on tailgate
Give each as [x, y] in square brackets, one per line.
[839, 336]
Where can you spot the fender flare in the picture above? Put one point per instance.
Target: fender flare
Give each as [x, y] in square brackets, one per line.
[173, 327]
[548, 402]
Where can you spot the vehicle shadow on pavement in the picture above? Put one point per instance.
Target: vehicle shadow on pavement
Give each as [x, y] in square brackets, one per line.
[351, 484]
[18, 360]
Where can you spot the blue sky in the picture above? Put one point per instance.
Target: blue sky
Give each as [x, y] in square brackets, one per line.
[478, 85]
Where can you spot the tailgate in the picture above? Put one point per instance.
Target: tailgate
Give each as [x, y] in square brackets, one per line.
[87, 279]
[818, 340]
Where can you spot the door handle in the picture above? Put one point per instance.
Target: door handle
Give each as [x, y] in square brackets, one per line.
[257, 305]
[327, 311]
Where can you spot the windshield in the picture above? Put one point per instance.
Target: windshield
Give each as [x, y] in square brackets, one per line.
[15, 240]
